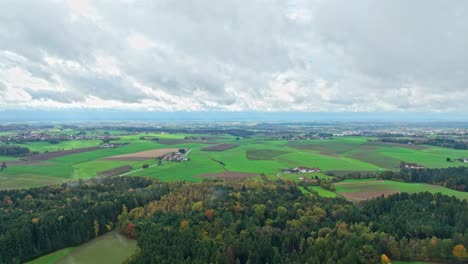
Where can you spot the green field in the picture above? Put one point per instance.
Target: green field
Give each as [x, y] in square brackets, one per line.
[107, 249]
[324, 193]
[320, 191]
[44, 146]
[373, 185]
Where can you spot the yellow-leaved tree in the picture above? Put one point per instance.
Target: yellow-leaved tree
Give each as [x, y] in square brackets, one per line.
[384, 259]
[459, 251]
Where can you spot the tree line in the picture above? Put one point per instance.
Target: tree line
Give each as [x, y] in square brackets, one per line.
[17, 151]
[439, 142]
[454, 178]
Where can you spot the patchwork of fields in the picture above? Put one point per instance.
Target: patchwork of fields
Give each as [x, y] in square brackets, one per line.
[219, 156]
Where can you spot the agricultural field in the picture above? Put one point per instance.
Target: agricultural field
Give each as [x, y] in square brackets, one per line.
[383, 155]
[212, 155]
[364, 189]
[143, 155]
[45, 146]
[320, 191]
[106, 249]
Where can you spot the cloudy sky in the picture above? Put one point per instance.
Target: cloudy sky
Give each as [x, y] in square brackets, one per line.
[226, 55]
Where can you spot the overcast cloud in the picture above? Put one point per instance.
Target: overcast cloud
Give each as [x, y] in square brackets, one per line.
[256, 55]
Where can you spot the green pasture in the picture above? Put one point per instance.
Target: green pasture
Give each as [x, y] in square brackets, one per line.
[373, 185]
[323, 192]
[7, 158]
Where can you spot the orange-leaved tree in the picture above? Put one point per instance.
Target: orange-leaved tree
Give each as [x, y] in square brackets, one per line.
[459, 251]
[384, 259]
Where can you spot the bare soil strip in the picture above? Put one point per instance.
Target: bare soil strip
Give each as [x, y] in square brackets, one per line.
[114, 171]
[361, 196]
[229, 175]
[220, 147]
[143, 155]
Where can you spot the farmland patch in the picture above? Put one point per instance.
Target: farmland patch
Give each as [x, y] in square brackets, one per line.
[50, 155]
[143, 155]
[362, 189]
[220, 147]
[360, 196]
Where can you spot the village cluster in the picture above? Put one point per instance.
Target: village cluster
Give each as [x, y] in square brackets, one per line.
[175, 156]
[34, 137]
[301, 170]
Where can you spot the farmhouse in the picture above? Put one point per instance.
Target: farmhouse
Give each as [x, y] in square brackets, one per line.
[405, 165]
[301, 170]
[175, 156]
[465, 160]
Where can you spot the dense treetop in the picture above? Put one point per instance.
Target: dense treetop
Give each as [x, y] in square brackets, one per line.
[231, 222]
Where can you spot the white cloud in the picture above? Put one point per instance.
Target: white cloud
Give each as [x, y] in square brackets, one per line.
[107, 65]
[82, 8]
[140, 42]
[294, 55]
